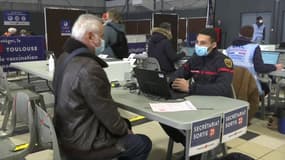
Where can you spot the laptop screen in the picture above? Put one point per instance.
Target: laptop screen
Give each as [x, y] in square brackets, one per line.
[269, 57]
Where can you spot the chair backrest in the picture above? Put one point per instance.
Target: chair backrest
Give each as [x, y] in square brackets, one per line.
[21, 105]
[3, 82]
[23, 112]
[246, 89]
[46, 136]
[151, 63]
[7, 103]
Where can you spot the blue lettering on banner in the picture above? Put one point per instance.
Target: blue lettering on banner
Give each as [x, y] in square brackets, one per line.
[65, 27]
[235, 120]
[20, 18]
[137, 48]
[205, 131]
[18, 49]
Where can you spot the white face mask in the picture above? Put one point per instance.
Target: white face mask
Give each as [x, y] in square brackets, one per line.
[101, 48]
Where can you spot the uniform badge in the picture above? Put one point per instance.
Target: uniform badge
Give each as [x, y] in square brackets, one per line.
[228, 63]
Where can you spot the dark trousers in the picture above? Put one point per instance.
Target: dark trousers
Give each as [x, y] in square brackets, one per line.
[265, 87]
[178, 137]
[137, 147]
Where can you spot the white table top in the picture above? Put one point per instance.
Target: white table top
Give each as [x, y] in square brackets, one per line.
[115, 71]
[38, 68]
[181, 120]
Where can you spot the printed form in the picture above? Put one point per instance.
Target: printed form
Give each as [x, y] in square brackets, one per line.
[172, 107]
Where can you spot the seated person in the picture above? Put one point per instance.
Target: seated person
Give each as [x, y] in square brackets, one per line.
[86, 117]
[246, 54]
[160, 47]
[211, 72]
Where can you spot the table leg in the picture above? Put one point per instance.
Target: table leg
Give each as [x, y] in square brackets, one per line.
[169, 149]
[187, 145]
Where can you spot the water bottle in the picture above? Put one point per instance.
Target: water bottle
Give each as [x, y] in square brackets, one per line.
[51, 63]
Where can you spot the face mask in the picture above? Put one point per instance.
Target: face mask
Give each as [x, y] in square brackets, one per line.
[101, 48]
[201, 50]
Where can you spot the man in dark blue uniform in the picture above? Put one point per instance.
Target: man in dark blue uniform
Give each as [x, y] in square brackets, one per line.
[210, 70]
[211, 73]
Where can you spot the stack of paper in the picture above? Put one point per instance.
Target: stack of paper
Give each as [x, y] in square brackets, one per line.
[172, 107]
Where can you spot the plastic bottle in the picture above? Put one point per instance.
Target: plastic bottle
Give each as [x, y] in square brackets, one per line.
[51, 64]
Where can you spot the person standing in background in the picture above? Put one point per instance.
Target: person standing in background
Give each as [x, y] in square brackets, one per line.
[161, 48]
[115, 36]
[259, 30]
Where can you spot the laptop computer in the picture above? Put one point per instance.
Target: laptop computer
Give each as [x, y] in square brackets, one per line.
[155, 83]
[270, 57]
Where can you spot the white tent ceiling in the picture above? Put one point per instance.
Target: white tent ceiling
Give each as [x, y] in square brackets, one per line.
[135, 5]
[167, 4]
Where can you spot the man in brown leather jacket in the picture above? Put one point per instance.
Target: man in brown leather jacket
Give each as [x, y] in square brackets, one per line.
[87, 120]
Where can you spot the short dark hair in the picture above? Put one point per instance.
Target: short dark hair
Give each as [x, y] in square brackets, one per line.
[165, 25]
[209, 32]
[259, 18]
[246, 31]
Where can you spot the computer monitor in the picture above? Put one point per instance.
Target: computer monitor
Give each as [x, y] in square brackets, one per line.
[281, 45]
[267, 47]
[270, 57]
[189, 51]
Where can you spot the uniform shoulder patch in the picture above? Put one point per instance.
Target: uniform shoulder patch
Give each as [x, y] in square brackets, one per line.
[228, 62]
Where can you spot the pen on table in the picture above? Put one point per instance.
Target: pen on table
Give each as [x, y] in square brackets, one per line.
[205, 108]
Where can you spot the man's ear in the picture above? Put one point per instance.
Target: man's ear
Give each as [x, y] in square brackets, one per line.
[214, 44]
[90, 35]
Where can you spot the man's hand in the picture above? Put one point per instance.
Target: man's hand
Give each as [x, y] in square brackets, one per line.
[279, 67]
[181, 84]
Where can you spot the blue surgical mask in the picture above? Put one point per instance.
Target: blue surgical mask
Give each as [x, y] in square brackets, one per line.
[201, 50]
[101, 48]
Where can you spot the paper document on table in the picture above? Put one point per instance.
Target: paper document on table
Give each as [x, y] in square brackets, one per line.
[172, 107]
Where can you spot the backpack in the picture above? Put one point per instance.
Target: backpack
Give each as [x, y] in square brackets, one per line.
[120, 48]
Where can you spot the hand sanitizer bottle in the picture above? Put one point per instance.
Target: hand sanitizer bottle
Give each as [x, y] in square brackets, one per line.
[51, 63]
